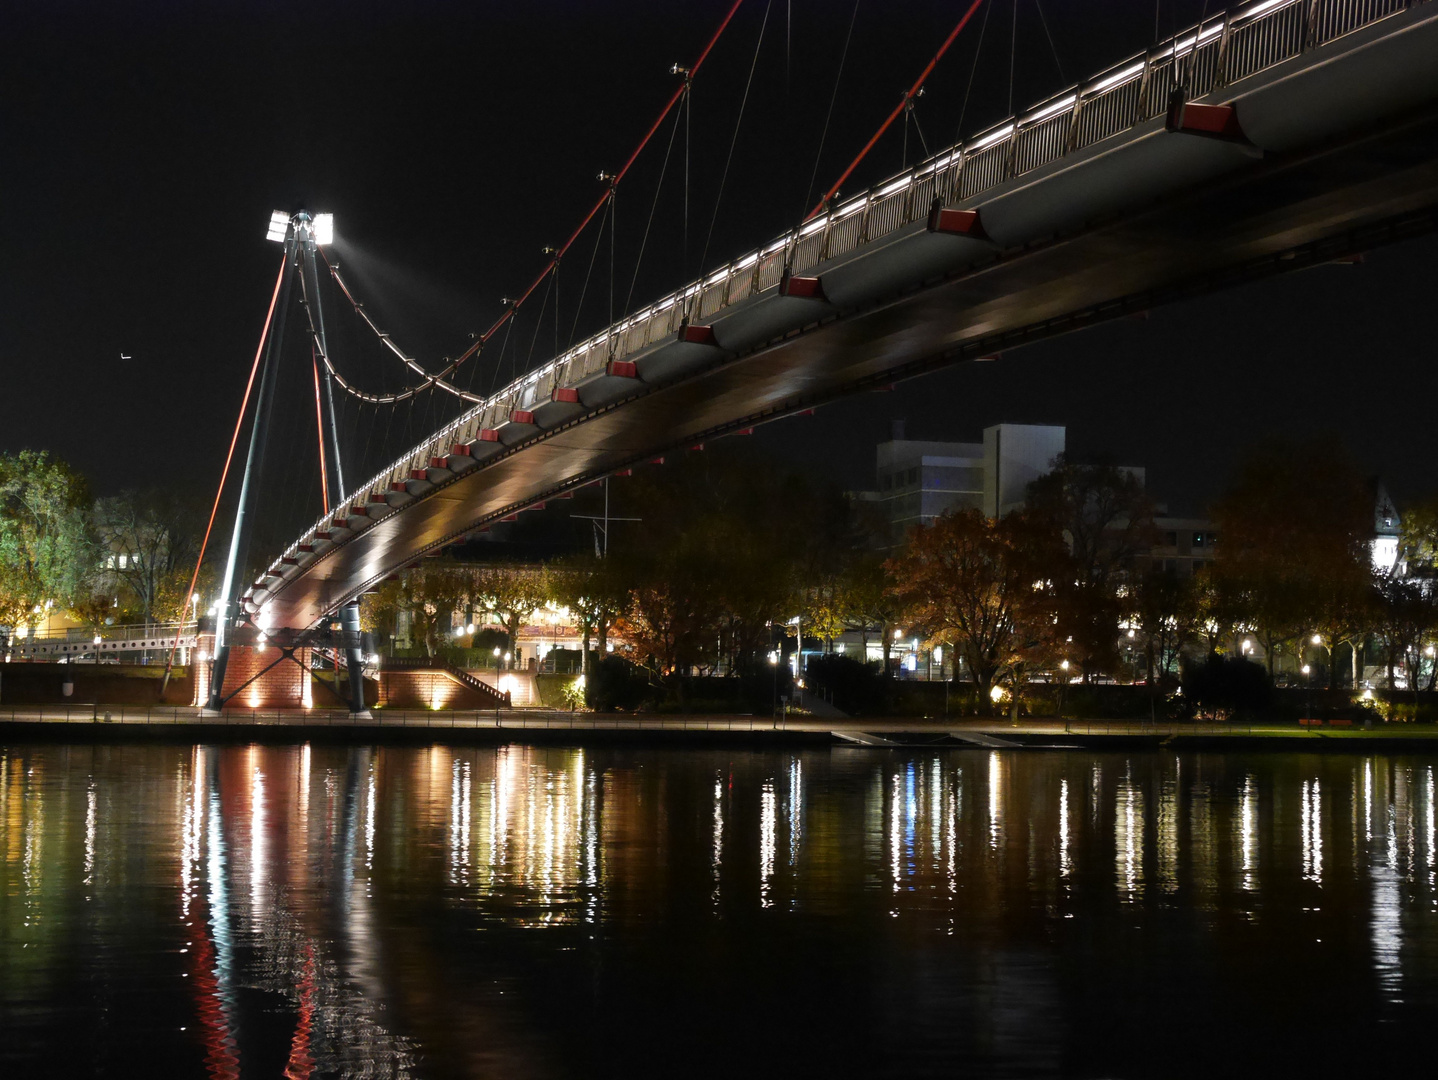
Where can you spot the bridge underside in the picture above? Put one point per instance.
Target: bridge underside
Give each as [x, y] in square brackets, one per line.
[925, 300]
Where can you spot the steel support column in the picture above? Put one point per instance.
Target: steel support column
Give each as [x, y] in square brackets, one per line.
[226, 612]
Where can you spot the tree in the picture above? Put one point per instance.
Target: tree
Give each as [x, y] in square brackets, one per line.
[987, 586]
[150, 544]
[432, 593]
[47, 550]
[593, 591]
[1418, 539]
[728, 549]
[1106, 518]
[1164, 609]
[510, 594]
[1294, 529]
[1407, 617]
[870, 600]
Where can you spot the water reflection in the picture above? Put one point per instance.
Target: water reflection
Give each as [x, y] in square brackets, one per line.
[1128, 836]
[337, 911]
[1248, 833]
[1312, 803]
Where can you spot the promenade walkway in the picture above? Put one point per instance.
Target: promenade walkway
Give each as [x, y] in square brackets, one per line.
[877, 734]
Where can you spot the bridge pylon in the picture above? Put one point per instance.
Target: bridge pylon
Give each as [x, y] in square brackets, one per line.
[302, 236]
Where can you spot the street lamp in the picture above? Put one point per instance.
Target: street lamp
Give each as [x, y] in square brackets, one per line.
[1063, 685]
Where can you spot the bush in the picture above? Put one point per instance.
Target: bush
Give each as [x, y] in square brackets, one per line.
[616, 684]
[1228, 684]
[855, 687]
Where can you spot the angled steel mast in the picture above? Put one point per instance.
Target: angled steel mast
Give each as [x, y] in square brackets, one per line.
[302, 235]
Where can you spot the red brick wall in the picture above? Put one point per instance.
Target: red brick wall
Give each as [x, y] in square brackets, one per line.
[427, 690]
[284, 686]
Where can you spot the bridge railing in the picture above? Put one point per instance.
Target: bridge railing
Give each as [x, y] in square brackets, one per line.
[1221, 50]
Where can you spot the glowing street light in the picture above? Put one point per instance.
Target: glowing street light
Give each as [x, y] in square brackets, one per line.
[321, 227]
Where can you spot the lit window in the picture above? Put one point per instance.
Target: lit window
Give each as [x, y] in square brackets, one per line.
[1198, 540]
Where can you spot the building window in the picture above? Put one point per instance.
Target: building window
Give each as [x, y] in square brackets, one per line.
[1171, 539]
[1198, 540]
[913, 476]
[888, 481]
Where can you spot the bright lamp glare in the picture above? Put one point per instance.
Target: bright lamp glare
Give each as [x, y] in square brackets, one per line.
[279, 226]
[324, 228]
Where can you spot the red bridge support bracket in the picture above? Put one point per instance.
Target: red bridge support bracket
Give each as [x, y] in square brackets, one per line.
[622, 369]
[693, 334]
[1211, 121]
[956, 222]
[802, 288]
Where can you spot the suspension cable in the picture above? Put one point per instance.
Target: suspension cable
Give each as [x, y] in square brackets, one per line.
[225, 472]
[584, 289]
[974, 70]
[320, 428]
[618, 176]
[833, 97]
[744, 101]
[819, 207]
[431, 380]
[658, 190]
[1052, 48]
[438, 379]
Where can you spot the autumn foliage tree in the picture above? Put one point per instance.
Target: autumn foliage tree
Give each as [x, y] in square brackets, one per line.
[1294, 531]
[987, 586]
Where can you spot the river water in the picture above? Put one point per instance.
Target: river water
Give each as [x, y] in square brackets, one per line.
[522, 911]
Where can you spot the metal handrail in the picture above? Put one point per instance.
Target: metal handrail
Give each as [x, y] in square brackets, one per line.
[1217, 52]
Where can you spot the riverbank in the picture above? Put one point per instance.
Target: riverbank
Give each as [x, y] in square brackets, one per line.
[168, 723]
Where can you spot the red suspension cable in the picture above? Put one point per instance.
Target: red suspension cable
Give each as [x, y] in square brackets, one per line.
[903, 104]
[320, 427]
[234, 439]
[559, 254]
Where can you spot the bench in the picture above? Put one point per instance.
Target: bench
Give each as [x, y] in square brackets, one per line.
[1309, 721]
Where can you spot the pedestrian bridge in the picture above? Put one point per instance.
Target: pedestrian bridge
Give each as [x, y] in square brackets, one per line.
[1277, 135]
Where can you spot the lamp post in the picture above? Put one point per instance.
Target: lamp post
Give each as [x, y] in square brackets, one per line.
[1317, 639]
[774, 663]
[1063, 685]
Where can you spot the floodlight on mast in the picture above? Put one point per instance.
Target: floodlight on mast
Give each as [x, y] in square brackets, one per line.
[321, 227]
[279, 227]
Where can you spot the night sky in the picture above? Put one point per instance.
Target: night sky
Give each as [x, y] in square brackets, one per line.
[145, 146]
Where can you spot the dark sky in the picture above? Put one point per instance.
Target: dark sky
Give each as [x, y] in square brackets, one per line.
[145, 145]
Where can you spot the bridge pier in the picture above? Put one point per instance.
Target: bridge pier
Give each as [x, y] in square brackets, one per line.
[354, 658]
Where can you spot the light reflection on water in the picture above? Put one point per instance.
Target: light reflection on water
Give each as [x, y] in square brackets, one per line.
[475, 911]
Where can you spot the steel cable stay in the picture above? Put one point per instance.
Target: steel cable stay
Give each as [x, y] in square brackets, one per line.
[584, 289]
[649, 224]
[738, 123]
[904, 104]
[539, 323]
[431, 379]
[833, 98]
[438, 380]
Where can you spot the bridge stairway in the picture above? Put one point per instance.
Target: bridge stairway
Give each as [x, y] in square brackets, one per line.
[476, 693]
